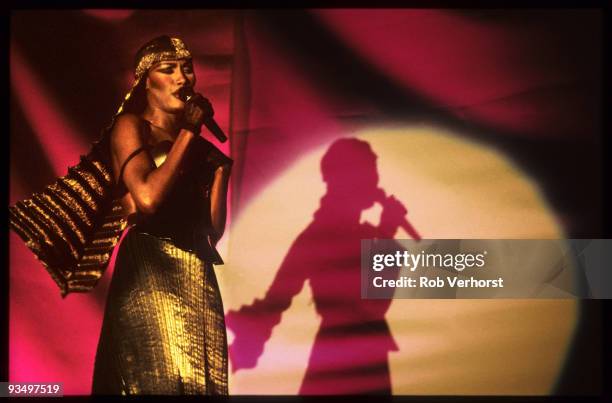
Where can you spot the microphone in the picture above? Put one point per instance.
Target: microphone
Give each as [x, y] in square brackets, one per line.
[186, 93]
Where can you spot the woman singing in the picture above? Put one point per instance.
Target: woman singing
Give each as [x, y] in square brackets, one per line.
[163, 330]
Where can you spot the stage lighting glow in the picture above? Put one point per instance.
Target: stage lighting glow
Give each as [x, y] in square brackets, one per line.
[452, 188]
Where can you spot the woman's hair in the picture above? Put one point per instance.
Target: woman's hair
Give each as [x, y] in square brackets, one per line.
[137, 102]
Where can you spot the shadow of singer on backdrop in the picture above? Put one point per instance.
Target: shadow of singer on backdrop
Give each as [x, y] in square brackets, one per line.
[351, 348]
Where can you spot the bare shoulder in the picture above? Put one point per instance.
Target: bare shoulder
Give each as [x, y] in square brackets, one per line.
[127, 117]
[127, 122]
[126, 131]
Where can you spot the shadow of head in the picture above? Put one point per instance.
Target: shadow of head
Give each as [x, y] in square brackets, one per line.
[349, 170]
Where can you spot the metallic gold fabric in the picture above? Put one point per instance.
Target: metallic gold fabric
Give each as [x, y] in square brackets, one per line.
[73, 225]
[164, 329]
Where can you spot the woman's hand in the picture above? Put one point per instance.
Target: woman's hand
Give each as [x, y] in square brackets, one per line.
[197, 108]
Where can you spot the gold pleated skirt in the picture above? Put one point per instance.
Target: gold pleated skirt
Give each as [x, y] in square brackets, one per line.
[164, 330]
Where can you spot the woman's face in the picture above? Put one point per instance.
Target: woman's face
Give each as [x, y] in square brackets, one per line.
[164, 81]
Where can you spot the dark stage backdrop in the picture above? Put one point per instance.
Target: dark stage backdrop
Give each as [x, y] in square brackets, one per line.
[485, 124]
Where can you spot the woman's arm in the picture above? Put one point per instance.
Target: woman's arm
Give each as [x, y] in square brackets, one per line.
[147, 184]
[218, 200]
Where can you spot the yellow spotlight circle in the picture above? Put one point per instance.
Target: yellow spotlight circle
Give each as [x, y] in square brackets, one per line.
[453, 188]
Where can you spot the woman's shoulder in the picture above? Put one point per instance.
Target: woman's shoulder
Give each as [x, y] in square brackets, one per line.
[128, 120]
[128, 127]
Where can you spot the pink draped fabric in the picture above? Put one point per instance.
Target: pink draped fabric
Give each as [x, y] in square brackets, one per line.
[279, 91]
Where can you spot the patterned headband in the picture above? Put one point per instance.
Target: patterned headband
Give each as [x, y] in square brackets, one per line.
[165, 48]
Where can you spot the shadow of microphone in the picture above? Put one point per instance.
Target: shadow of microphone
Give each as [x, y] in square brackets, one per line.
[404, 223]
